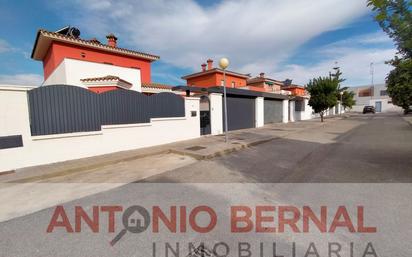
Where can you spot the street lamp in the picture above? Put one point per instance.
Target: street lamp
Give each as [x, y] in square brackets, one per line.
[223, 64]
[340, 109]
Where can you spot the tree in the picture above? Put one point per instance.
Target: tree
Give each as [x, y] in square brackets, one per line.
[322, 94]
[337, 77]
[395, 18]
[347, 99]
[399, 83]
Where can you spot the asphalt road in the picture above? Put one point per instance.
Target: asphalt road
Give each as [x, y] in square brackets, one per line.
[363, 148]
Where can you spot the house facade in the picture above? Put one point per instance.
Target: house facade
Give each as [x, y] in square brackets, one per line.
[68, 59]
[372, 95]
[210, 76]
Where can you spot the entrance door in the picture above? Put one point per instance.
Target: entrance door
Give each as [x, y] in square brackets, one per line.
[240, 112]
[204, 115]
[378, 106]
[273, 111]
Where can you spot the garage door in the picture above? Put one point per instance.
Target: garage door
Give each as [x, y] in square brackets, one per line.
[241, 112]
[273, 111]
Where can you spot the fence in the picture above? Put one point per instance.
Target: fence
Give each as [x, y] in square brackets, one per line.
[58, 109]
[59, 123]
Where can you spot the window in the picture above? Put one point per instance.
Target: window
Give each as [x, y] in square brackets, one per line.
[233, 84]
[222, 83]
[299, 106]
[384, 92]
[365, 92]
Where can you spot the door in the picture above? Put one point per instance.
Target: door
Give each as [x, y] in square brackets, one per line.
[241, 112]
[378, 106]
[205, 128]
[273, 111]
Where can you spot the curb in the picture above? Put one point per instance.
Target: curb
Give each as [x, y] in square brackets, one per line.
[407, 120]
[80, 168]
[246, 145]
[226, 151]
[239, 146]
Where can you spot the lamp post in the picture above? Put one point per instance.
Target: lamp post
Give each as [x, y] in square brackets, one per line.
[340, 107]
[223, 64]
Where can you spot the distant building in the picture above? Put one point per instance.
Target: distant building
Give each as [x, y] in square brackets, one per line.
[296, 90]
[265, 84]
[68, 59]
[376, 96]
[212, 77]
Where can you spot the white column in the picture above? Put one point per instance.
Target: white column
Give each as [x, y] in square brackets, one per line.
[259, 109]
[285, 111]
[216, 114]
[292, 111]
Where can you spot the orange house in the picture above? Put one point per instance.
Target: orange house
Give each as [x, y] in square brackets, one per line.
[53, 48]
[295, 90]
[212, 77]
[265, 84]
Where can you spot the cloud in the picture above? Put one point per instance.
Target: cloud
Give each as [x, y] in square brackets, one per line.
[24, 79]
[354, 63]
[251, 33]
[259, 35]
[354, 55]
[5, 46]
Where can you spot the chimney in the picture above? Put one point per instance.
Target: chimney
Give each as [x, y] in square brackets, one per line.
[111, 40]
[262, 74]
[203, 66]
[209, 64]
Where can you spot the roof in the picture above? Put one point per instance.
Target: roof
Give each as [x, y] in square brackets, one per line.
[232, 91]
[156, 85]
[253, 88]
[44, 39]
[216, 70]
[264, 79]
[106, 81]
[293, 86]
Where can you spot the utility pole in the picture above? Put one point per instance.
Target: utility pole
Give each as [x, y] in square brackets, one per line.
[224, 63]
[372, 72]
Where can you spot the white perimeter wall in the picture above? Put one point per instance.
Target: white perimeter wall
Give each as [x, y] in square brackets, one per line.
[259, 112]
[285, 111]
[292, 117]
[386, 106]
[14, 120]
[307, 114]
[216, 114]
[71, 71]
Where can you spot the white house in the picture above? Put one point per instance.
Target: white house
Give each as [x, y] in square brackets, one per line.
[374, 95]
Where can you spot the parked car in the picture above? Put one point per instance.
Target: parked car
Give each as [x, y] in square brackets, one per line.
[368, 109]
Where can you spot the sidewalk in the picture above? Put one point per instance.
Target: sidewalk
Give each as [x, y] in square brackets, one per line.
[408, 118]
[202, 148]
[36, 188]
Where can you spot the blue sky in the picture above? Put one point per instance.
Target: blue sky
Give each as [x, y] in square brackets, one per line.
[285, 39]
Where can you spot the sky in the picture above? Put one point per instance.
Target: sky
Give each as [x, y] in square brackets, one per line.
[297, 39]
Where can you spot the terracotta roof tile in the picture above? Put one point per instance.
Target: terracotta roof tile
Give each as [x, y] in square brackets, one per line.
[105, 78]
[156, 85]
[214, 70]
[91, 43]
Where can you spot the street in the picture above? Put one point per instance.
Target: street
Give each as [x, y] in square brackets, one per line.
[359, 149]
[363, 148]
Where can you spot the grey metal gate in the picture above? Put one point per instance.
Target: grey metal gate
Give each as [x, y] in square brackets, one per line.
[240, 112]
[205, 128]
[273, 111]
[57, 109]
